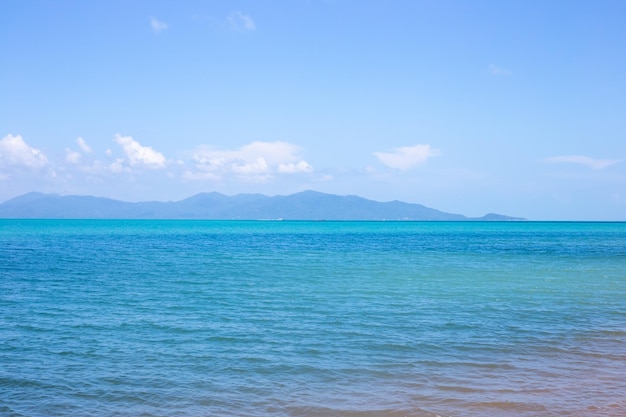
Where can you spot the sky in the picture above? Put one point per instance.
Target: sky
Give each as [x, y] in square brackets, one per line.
[470, 107]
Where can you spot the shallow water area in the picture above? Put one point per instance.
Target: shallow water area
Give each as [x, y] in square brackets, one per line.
[354, 319]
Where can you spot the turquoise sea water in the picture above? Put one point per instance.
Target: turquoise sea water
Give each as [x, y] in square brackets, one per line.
[350, 319]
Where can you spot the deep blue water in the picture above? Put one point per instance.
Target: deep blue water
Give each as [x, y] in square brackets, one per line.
[351, 319]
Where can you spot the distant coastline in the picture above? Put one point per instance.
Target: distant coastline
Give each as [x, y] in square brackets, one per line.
[306, 205]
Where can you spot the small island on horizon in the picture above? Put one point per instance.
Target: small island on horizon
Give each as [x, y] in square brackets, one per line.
[305, 205]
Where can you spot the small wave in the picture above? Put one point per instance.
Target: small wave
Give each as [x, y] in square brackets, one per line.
[508, 406]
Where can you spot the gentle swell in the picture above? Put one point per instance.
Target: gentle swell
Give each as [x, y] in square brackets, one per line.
[349, 319]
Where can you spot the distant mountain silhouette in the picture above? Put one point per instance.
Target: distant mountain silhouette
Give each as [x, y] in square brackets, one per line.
[306, 205]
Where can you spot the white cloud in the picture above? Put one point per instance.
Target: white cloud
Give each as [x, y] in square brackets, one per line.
[14, 151]
[407, 157]
[140, 155]
[593, 163]
[241, 22]
[257, 166]
[118, 167]
[273, 152]
[256, 160]
[291, 168]
[498, 71]
[200, 176]
[83, 145]
[157, 25]
[71, 156]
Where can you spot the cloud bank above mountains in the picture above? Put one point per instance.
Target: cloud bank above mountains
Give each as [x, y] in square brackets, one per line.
[257, 161]
[126, 168]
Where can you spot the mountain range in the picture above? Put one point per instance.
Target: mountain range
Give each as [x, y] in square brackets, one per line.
[306, 205]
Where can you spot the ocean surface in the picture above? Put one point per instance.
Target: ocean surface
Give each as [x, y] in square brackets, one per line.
[312, 319]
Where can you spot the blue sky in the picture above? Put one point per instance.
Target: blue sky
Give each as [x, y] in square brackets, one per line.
[466, 106]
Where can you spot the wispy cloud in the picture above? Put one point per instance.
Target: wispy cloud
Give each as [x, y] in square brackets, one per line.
[139, 155]
[72, 157]
[407, 157]
[83, 145]
[291, 168]
[498, 71]
[587, 161]
[157, 25]
[117, 166]
[241, 22]
[256, 161]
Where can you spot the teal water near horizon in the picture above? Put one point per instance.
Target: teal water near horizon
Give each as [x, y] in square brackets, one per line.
[348, 319]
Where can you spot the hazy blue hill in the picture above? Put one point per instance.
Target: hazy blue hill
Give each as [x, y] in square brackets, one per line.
[312, 205]
[219, 206]
[38, 205]
[495, 217]
[306, 205]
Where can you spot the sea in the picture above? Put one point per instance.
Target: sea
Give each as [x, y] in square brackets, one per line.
[312, 319]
